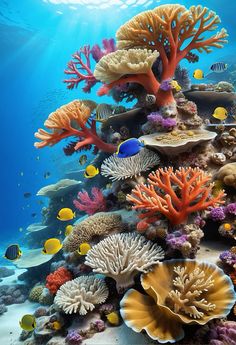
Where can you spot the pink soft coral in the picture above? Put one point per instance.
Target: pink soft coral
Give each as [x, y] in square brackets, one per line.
[91, 205]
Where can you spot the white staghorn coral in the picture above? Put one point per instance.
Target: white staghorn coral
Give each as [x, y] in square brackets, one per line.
[81, 294]
[189, 288]
[122, 256]
[122, 168]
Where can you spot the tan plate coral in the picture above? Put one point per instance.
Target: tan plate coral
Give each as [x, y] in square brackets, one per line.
[179, 292]
[175, 142]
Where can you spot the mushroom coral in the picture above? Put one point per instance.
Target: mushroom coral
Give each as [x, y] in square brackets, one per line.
[178, 292]
[175, 194]
[122, 256]
[174, 31]
[72, 119]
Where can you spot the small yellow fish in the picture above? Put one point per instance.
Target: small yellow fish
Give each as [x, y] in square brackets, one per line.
[198, 74]
[113, 318]
[84, 248]
[56, 325]
[220, 113]
[28, 322]
[65, 214]
[176, 85]
[227, 226]
[91, 171]
[68, 230]
[51, 246]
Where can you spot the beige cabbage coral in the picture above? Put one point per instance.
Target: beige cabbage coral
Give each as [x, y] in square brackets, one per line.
[100, 224]
[178, 292]
[122, 168]
[113, 66]
[227, 174]
[122, 256]
[81, 295]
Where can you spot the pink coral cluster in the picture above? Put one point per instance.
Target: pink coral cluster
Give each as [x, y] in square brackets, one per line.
[91, 205]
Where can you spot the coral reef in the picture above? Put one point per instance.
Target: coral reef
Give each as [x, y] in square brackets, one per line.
[123, 168]
[122, 256]
[56, 279]
[178, 292]
[12, 294]
[81, 295]
[100, 224]
[160, 196]
[91, 205]
[227, 174]
[6, 272]
[223, 333]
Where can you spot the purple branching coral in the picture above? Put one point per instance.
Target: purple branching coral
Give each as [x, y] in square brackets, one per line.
[109, 46]
[73, 338]
[166, 123]
[223, 333]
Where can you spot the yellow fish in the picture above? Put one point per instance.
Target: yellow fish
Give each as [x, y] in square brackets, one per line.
[91, 171]
[198, 74]
[220, 113]
[56, 325]
[28, 322]
[176, 85]
[69, 228]
[113, 318]
[51, 246]
[65, 214]
[84, 248]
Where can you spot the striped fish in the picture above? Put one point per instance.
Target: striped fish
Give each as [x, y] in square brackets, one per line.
[103, 112]
[13, 252]
[219, 67]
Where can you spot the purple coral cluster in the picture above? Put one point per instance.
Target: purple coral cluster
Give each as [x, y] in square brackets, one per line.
[166, 123]
[220, 213]
[228, 257]
[166, 85]
[223, 333]
[176, 240]
[73, 338]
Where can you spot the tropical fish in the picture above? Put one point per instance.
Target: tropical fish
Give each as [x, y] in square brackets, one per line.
[129, 147]
[219, 67]
[103, 112]
[27, 195]
[47, 174]
[83, 159]
[51, 246]
[65, 214]
[84, 248]
[176, 85]
[150, 99]
[91, 171]
[90, 104]
[56, 325]
[68, 230]
[113, 318]
[13, 252]
[220, 113]
[28, 322]
[198, 74]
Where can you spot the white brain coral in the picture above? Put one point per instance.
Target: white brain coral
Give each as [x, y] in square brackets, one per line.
[122, 256]
[81, 294]
[113, 66]
[122, 168]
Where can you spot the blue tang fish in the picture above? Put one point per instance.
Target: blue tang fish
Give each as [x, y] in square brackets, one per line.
[129, 147]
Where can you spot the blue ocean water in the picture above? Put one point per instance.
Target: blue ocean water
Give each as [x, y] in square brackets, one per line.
[37, 39]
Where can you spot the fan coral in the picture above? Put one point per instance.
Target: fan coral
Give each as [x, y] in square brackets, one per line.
[122, 256]
[223, 333]
[175, 194]
[100, 224]
[56, 279]
[122, 168]
[72, 119]
[81, 295]
[179, 292]
[97, 203]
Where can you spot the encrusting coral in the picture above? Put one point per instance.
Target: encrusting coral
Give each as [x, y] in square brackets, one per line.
[175, 194]
[90, 205]
[122, 168]
[178, 292]
[122, 256]
[72, 119]
[56, 279]
[100, 224]
[81, 295]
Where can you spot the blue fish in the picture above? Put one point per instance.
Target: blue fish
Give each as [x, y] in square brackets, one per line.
[129, 147]
[219, 67]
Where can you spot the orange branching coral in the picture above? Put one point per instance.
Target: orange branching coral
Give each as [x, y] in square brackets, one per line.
[175, 194]
[72, 119]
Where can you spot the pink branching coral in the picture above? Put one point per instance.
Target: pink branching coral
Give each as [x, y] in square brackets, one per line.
[175, 194]
[91, 205]
[109, 46]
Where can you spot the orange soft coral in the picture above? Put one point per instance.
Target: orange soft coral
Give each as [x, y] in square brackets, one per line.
[175, 194]
[56, 279]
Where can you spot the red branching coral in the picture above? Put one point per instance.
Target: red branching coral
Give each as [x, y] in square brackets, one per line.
[175, 194]
[56, 279]
[91, 205]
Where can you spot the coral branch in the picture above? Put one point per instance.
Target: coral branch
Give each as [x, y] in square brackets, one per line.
[91, 205]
